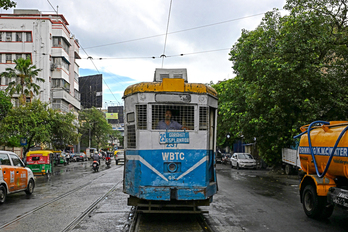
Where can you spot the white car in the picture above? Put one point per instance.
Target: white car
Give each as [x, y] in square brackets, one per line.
[14, 176]
[242, 160]
[119, 156]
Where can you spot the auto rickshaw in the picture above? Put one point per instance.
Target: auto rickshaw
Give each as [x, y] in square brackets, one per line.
[59, 158]
[40, 162]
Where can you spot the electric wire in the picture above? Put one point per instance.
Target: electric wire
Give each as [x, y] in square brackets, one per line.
[165, 40]
[174, 32]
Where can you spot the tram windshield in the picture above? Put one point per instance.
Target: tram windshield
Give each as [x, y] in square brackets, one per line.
[167, 117]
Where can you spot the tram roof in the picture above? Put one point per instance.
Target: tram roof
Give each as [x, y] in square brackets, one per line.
[169, 85]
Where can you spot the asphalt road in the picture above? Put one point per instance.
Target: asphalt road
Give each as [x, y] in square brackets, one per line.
[260, 200]
[247, 200]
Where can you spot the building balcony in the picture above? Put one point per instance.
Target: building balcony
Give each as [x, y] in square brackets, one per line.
[62, 94]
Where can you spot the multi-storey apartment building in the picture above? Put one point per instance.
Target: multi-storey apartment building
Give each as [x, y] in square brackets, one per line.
[47, 41]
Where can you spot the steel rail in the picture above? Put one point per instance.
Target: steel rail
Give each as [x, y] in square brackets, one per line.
[78, 219]
[47, 204]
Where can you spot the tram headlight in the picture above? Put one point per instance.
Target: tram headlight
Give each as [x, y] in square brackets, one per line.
[172, 167]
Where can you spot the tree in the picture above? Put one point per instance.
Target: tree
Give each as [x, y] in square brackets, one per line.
[6, 4]
[290, 70]
[5, 105]
[95, 127]
[64, 129]
[30, 121]
[22, 76]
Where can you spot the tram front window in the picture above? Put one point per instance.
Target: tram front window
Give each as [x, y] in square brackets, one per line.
[172, 117]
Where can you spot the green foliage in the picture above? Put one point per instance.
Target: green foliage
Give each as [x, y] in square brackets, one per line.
[39, 125]
[6, 4]
[94, 126]
[64, 129]
[290, 70]
[22, 79]
[5, 104]
[31, 121]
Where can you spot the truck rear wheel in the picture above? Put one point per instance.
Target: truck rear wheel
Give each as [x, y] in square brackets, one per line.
[288, 169]
[313, 205]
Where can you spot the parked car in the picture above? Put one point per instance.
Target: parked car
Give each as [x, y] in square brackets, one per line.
[119, 156]
[218, 157]
[225, 159]
[80, 157]
[14, 176]
[242, 160]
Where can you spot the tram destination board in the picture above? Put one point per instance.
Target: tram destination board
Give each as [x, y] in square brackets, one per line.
[174, 137]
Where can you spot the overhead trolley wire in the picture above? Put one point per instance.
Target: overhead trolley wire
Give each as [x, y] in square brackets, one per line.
[165, 40]
[174, 32]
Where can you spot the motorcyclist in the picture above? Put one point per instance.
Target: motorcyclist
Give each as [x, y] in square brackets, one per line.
[96, 157]
[107, 158]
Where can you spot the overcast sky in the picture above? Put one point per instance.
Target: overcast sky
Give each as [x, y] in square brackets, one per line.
[126, 34]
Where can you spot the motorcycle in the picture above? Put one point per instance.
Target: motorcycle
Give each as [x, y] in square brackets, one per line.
[108, 162]
[95, 166]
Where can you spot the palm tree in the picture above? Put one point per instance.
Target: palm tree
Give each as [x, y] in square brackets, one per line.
[24, 74]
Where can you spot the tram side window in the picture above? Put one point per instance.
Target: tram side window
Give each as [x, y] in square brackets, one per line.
[131, 138]
[184, 115]
[141, 117]
[203, 118]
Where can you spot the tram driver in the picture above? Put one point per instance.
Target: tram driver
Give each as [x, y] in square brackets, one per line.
[169, 123]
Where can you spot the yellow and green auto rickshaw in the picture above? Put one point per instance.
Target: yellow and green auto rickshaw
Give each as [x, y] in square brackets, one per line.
[40, 162]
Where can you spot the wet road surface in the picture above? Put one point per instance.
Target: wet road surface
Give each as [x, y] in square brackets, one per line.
[247, 200]
[257, 200]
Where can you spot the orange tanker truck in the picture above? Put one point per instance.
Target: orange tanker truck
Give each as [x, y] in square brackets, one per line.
[323, 152]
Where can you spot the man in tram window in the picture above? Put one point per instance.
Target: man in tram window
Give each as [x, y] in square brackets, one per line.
[169, 123]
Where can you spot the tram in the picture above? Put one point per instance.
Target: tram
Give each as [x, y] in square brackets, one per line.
[170, 139]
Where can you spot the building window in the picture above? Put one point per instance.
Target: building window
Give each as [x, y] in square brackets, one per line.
[76, 76]
[1, 36]
[8, 58]
[60, 63]
[131, 138]
[28, 56]
[0, 58]
[18, 56]
[19, 36]
[61, 83]
[7, 80]
[60, 42]
[28, 37]
[8, 36]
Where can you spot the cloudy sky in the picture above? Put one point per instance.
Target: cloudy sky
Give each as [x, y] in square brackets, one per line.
[123, 36]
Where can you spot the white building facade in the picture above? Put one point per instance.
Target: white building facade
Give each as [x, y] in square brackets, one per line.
[46, 39]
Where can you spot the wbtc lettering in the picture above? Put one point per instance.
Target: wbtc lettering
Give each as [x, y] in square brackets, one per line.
[173, 156]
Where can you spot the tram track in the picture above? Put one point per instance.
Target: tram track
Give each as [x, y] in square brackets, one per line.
[78, 219]
[53, 201]
[138, 220]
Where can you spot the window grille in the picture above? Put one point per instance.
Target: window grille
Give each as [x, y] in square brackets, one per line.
[131, 138]
[1, 36]
[203, 118]
[1, 58]
[141, 117]
[184, 115]
[18, 56]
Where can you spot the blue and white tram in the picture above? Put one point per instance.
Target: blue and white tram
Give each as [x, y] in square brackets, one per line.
[170, 165]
